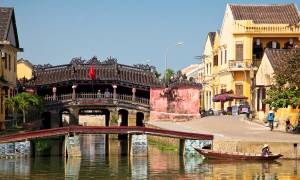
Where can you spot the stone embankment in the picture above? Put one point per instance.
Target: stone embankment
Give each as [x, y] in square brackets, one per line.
[235, 134]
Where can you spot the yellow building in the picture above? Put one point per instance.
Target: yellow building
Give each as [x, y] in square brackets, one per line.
[272, 61]
[24, 69]
[9, 47]
[245, 32]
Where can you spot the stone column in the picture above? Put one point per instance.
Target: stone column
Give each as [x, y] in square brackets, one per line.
[54, 93]
[115, 92]
[74, 92]
[133, 94]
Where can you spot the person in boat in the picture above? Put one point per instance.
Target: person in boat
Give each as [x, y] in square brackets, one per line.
[266, 151]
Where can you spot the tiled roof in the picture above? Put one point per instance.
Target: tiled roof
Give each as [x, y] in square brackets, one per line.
[103, 73]
[212, 36]
[5, 16]
[266, 14]
[279, 56]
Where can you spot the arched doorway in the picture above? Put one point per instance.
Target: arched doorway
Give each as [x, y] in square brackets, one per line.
[140, 119]
[46, 120]
[64, 117]
[123, 121]
[93, 117]
[123, 117]
[106, 112]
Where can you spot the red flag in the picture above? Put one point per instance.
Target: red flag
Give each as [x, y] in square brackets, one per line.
[92, 73]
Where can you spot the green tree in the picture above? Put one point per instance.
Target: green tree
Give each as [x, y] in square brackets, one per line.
[11, 105]
[22, 103]
[169, 73]
[26, 101]
[286, 90]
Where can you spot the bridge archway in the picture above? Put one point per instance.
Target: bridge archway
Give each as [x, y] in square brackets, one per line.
[93, 117]
[64, 115]
[123, 117]
[46, 120]
[106, 112]
[140, 119]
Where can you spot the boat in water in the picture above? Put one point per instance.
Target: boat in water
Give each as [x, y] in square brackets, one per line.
[219, 155]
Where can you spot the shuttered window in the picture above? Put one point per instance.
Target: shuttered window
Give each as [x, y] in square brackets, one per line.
[239, 89]
[239, 52]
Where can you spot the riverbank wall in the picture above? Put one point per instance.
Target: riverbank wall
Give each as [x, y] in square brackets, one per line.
[289, 150]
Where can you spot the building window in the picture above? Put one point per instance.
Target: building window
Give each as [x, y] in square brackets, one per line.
[221, 57]
[239, 56]
[225, 57]
[239, 89]
[207, 69]
[5, 61]
[273, 44]
[15, 64]
[9, 62]
[215, 60]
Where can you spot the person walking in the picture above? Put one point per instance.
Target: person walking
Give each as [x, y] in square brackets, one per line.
[271, 117]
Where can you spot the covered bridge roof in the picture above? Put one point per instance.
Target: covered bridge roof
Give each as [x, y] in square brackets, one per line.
[109, 71]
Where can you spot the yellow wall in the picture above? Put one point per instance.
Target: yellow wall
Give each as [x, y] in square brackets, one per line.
[24, 70]
[229, 35]
[9, 75]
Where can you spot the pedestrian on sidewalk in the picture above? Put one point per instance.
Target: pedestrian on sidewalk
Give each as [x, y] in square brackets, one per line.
[271, 117]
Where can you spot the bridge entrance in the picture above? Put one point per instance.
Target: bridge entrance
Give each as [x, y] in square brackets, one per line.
[93, 117]
[140, 119]
[46, 120]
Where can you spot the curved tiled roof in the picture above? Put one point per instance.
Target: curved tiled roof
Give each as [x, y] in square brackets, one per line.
[103, 73]
[266, 14]
[278, 57]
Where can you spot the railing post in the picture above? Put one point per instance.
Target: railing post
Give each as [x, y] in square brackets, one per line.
[74, 92]
[133, 94]
[54, 93]
[115, 92]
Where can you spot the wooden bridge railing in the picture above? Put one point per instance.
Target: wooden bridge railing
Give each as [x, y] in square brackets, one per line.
[102, 130]
[88, 96]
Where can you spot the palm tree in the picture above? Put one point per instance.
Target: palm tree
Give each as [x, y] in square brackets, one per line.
[11, 105]
[26, 101]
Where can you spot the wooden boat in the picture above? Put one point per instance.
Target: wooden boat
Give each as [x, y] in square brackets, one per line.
[210, 154]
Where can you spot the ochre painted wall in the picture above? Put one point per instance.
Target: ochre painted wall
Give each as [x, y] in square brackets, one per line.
[24, 70]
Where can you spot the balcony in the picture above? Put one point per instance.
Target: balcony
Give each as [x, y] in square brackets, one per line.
[244, 65]
[250, 28]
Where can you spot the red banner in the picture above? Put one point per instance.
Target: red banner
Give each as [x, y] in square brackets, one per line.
[92, 73]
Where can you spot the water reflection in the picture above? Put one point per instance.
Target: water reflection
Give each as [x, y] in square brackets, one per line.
[157, 165]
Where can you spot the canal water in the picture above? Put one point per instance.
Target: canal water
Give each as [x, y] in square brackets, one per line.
[159, 164]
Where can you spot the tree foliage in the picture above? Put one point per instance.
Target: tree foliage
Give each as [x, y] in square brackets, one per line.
[169, 73]
[286, 90]
[22, 103]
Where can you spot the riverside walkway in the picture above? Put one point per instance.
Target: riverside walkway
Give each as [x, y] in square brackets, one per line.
[233, 134]
[229, 128]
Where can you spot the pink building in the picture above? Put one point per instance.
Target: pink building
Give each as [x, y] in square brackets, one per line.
[179, 101]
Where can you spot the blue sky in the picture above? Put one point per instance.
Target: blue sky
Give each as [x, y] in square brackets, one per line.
[133, 31]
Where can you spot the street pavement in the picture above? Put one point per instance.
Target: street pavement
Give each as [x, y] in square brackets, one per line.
[229, 128]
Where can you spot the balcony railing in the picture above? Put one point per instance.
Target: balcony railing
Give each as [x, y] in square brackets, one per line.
[235, 65]
[97, 97]
[240, 28]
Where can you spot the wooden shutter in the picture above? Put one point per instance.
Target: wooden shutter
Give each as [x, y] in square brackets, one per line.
[239, 52]
[239, 89]
[263, 97]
